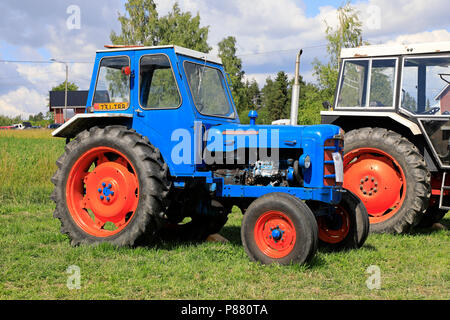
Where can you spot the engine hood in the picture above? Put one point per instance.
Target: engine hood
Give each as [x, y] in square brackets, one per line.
[235, 136]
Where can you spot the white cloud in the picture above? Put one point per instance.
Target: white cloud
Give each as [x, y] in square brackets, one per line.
[268, 34]
[23, 101]
[427, 36]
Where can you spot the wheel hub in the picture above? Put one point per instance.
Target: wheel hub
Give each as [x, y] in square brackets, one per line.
[275, 234]
[369, 186]
[334, 228]
[110, 190]
[376, 179]
[107, 193]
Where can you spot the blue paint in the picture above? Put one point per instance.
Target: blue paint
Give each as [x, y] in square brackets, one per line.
[159, 125]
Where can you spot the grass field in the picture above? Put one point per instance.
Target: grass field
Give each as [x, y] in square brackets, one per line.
[34, 256]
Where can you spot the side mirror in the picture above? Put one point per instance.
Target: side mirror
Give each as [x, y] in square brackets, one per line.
[326, 105]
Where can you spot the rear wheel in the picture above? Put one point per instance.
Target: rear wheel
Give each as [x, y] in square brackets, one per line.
[111, 186]
[278, 228]
[389, 175]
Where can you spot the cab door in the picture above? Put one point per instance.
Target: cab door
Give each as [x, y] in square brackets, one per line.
[162, 111]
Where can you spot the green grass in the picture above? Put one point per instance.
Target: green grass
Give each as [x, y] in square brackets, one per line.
[34, 256]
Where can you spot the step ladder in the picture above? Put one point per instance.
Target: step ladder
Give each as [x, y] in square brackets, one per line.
[443, 188]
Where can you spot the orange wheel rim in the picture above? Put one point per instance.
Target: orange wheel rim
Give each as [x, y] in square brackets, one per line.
[275, 234]
[102, 192]
[334, 229]
[377, 179]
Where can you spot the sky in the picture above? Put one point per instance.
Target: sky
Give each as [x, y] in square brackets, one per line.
[269, 34]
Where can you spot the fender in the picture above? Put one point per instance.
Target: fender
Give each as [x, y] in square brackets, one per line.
[334, 115]
[85, 121]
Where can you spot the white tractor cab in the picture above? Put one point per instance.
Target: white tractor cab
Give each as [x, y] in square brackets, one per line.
[394, 104]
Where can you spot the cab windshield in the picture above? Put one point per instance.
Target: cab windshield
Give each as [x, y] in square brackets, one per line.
[426, 85]
[209, 90]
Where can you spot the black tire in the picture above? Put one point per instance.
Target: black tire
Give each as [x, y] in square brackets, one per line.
[362, 219]
[346, 229]
[411, 162]
[153, 179]
[299, 216]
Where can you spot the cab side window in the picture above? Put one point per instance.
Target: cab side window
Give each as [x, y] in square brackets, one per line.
[157, 85]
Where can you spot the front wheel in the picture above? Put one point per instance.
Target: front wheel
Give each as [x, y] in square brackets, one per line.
[278, 228]
[345, 226]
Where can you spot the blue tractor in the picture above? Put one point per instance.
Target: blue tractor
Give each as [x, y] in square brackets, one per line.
[161, 154]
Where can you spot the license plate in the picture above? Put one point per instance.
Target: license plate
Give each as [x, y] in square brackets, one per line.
[338, 167]
[111, 106]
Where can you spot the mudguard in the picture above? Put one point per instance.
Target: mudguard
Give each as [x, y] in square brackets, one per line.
[84, 121]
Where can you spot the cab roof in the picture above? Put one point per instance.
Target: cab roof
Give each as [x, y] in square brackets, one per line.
[396, 50]
[177, 49]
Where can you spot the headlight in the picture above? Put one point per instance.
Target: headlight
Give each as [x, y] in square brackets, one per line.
[305, 161]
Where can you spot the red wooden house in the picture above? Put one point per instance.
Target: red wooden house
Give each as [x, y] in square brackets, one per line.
[76, 103]
[444, 99]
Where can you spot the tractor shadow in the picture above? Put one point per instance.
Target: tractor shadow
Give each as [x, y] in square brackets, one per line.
[443, 225]
[233, 235]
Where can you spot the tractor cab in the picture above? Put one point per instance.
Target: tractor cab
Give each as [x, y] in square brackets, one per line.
[403, 89]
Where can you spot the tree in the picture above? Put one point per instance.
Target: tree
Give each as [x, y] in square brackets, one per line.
[62, 87]
[348, 34]
[280, 101]
[143, 26]
[233, 66]
[251, 100]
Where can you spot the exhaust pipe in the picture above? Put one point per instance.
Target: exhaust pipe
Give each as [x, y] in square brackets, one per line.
[296, 91]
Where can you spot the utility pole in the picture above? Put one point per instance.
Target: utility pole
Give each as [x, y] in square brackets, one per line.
[67, 81]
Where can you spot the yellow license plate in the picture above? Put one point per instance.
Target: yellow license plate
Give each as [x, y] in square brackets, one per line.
[111, 106]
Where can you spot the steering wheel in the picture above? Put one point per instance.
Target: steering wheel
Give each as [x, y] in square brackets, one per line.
[432, 111]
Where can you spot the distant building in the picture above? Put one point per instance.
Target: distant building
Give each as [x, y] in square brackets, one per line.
[444, 99]
[76, 103]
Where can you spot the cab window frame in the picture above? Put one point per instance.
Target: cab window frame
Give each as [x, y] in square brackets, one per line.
[174, 78]
[400, 103]
[226, 91]
[98, 74]
[366, 105]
